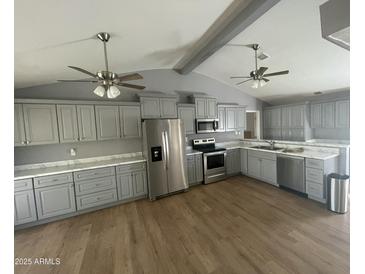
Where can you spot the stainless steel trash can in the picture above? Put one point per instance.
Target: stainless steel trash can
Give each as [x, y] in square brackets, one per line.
[337, 192]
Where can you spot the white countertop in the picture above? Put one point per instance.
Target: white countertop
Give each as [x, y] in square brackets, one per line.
[78, 165]
[190, 151]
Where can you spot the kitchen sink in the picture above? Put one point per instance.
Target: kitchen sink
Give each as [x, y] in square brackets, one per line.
[268, 147]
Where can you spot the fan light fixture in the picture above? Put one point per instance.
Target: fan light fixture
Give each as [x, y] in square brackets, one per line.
[99, 91]
[113, 92]
[258, 83]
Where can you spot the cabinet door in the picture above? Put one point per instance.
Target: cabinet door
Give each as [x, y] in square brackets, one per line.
[276, 133]
[19, 132]
[107, 122]
[191, 169]
[125, 186]
[268, 171]
[328, 115]
[343, 114]
[86, 122]
[40, 124]
[231, 119]
[285, 117]
[233, 161]
[139, 183]
[254, 166]
[276, 118]
[130, 118]
[200, 108]
[150, 107]
[55, 200]
[187, 114]
[316, 116]
[267, 118]
[221, 119]
[297, 134]
[168, 108]
[241, 118]
[24, 207]
[286, 134]
[211, 108]
[198, 167]
[243, 161]
[297, 116]
[67, 123]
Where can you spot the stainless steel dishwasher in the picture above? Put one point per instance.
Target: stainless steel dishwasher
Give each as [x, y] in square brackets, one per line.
[290, 172]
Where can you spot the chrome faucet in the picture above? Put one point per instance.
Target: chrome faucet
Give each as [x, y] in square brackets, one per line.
[271, 142]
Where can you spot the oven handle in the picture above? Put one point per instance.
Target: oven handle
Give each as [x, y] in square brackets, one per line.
[215, 153]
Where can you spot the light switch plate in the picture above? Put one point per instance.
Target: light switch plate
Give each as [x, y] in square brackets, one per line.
[73, 151]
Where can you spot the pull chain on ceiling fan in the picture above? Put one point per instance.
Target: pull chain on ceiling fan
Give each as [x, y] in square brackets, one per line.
[107, 80]
[257, 76]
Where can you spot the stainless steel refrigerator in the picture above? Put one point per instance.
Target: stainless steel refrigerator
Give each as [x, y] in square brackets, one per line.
[164, 149]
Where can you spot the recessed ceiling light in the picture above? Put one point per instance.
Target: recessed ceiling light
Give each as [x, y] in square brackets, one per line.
[317, 93]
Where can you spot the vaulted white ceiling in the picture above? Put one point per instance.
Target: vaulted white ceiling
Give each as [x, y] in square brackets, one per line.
[49, 35]
[290, 32]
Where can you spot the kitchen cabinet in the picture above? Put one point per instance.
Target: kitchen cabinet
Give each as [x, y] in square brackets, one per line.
[158, 107]
[19, 130]
[40, 123]
[107, 122]
[297, 116]
[55, 200]
[131, 181]
[231, 118]
[86, 122]
[233, 161]
[285, 117]
[243, 161]
[24, 203]
[221, 119]
[67, 123]
[130, 119]
[316, 116]
[205, 108]
[342, 114]
[194, 168]
[241, 118]
[262, 166]
[328, 115]
[187, 115]
[275, 118]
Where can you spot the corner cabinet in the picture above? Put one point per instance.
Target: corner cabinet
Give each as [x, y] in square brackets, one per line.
[328, 115]
[107, 122]
[186, 113]
[205, 108]
[158, 107]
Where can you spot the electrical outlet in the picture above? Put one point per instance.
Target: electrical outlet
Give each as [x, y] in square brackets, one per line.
[73, 151]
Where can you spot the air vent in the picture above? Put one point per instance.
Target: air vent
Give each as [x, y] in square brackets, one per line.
[263, 56]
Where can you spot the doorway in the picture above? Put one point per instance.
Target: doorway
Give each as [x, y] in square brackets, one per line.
[252, 125]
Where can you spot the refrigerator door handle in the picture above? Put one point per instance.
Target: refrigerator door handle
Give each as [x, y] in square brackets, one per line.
[167, 149]
[164, 149]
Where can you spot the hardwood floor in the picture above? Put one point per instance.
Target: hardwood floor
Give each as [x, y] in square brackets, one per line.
[239, 225]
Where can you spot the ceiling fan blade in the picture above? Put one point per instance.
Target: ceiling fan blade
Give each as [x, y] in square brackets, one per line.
[86, 81]
[234, 77]
[243, 81]
[83, 71]
[133, 76]
[261, 71]
[276, 73]
[131, 86]
[265, 79]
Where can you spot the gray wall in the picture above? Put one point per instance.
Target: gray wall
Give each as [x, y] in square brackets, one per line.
[163, 80]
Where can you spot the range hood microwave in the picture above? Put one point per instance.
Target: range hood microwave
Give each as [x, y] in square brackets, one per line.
[206, 125]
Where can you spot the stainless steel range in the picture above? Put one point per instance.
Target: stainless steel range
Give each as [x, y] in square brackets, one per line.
[214, 159]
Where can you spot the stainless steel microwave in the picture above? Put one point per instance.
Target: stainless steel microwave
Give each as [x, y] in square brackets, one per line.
[206, 125]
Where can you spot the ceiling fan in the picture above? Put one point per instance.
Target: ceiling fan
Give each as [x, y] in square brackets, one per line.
[107, 80]
[257, 76]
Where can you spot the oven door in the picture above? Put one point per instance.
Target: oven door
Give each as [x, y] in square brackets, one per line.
[214, 166]
[206, 125]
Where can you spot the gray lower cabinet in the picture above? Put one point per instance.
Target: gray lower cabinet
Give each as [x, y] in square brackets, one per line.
[131, 181]
[55, 200]
[86, 122]
[233, 161]
[243, 161]
[96, 199]
[194, 168]
[107, 122]
[40, 121]
[187, 115]
[19, 130]
[125, 186]
[139, 183]
[262, 166]
[24, 203]
[130, 119]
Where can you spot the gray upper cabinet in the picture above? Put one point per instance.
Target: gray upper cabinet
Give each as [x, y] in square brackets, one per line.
[316, 116]
[275, 118]
[19, 131]
[297, 116]
[241, 118]
[40, 122]
[155, 107]
[187, 114]
[24, 207]
[67, 123]
[328, 115]
[285, 117]
[107, 122]
[221, 118]
[205, 108]
[231, 119]
[130, 118]
[86, 122]
[343, 114]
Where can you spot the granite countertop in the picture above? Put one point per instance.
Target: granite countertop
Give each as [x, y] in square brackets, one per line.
[26, 172]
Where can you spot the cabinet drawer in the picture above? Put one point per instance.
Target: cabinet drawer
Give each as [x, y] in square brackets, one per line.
[131, 167]
[95, 185]
[25, 184]
[52, 180]
[94, 173]
[314, 163]
[314, 189]
[262, 154]
[96, 199]
[314, 175]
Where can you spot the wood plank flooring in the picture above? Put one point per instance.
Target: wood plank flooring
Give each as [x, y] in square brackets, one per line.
[239, 225]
